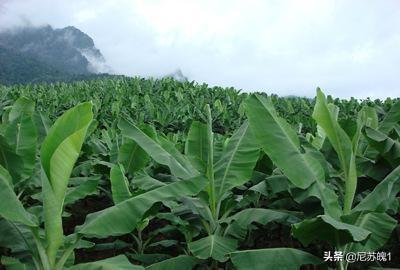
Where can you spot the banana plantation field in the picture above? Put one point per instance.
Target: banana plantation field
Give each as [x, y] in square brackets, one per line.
[131, 173]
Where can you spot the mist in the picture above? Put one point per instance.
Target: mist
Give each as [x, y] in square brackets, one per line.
[348, 48]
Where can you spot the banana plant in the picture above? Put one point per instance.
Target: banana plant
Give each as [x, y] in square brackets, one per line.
[18, 141]
[130, 211]
[49, 248]
[223, 224]
[58, 155]
[347, 227]
[209, 195]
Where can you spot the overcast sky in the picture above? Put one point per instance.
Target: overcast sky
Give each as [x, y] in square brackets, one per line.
[348, 48]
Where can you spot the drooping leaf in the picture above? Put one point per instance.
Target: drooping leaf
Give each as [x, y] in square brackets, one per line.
[281, 143]
[391, 119]
[214, 246]
[326, 228]
[149, 259]
[13, 264]
[383, 196]
[369, 116]
[381, 226]
[15, 236]
[262, 188]
[132, 156]
[114, 263]
[272, 258]
[318, 140]
[22, 106]
[240, 221]
[10, 160]
[123, 217]
[199, 207]
[164, 243]
[162, 152]
[390, 122]
[182, 262]
[86, 188]
[115, 245]
[10, 207]
[388, 147]
[146, 182]
[329, 199]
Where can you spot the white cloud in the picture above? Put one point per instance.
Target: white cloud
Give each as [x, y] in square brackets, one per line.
[349, 48]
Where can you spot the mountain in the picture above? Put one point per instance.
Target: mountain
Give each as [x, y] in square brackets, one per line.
[45, 54]
[177, 75]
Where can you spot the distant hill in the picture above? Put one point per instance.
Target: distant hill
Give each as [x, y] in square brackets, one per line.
[44, 54]
[177, 75]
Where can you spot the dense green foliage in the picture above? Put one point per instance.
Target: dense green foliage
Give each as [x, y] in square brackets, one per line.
[131, 173]
[168, 104]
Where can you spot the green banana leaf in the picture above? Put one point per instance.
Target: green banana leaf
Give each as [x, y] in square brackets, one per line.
[149, 259]
[391, 120]
[59, 153]
[366, 117]
[381, 226]
[14, 264]
[329, 199]
[214, 246]
[182, 262]
[326, 228]
[12, 162]
[326, 116]
[119, 184]
[123, 217]
[146, 182]
[21, 134]
[239, 222]
[120, 262]
[81, 190]
[272, 258]
[388, 147]
[15, 236]
[235, 166]
[383, 196]
[281, 143]
[132, 156]
[10, 207]
[196, 145]
[161, 151]
[22, 106]
[43, 124]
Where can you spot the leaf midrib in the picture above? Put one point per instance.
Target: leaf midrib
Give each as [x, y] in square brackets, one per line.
[290, 141]
[230, 161]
